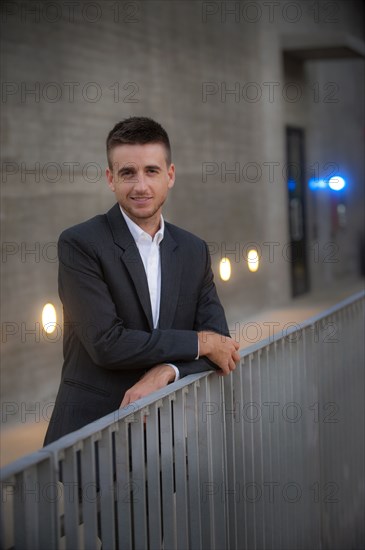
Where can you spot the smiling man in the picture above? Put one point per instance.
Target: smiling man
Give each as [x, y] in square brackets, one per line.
[140, 305]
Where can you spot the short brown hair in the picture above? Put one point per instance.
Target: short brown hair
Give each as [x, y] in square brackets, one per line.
[137, 131]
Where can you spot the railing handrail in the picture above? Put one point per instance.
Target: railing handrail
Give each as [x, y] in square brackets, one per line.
[303, 324]
[97, 426]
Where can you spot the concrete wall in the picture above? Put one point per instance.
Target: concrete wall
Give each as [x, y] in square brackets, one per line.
[105, 61]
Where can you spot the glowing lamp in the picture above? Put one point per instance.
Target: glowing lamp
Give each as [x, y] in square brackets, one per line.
[49, 318]
[225, 269]
[336, 183]
[253, 260]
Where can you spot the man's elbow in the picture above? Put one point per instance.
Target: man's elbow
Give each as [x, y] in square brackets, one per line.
[111, 358]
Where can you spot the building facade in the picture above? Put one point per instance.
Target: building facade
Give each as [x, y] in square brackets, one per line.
[263, 102]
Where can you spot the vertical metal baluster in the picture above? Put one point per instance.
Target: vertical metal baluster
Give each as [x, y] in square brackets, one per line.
[90, 494]
[123, 485]
[340, 396]
[107, 506]
[302, 418]
[274, 414]
[359, 452]
[167, 475]
[303, 390]
[324, 370]
[194, 491]
[27, 493]
[229, 448]
[7, 513]
[153, 476]
[250, 488]
[267, 446]
[283, 478]
[216, 449]
[138, 483]
[256, 426]
[207, 486]
[357, 431]
[71, 497]
[346, 395]
[180, 452]
[239, 458]
[352, 433]
[292, 410]
[313, 455]
[48, 514]
[327, 372]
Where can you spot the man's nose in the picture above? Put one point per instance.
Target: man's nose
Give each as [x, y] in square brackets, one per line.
[140, 182]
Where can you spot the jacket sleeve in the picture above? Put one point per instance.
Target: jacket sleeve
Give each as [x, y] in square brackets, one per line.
[209, 316]
[90, 311]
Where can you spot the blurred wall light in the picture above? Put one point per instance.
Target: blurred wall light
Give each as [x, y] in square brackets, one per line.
[336, 183]
[341, 215]
[49, 318]
[317, 184]
[253, 260]
[225, 269]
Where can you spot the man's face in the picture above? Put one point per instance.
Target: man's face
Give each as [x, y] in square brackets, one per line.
[140, 180]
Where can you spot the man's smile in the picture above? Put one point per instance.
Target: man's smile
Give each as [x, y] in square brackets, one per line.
[141, 200]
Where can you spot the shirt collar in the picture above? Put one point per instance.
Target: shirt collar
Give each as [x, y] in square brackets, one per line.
[138, 233]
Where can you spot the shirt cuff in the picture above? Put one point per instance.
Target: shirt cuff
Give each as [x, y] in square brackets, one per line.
[177, 373]
[197, 357]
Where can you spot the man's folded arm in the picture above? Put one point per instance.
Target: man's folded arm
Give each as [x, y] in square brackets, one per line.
[192, 367]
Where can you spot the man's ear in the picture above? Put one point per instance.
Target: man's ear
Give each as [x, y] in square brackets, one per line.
[109, 177]
[171, 175]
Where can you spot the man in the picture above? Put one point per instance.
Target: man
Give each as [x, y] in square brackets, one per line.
[140, 304]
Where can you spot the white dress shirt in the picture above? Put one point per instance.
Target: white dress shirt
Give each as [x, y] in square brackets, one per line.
[149, 249]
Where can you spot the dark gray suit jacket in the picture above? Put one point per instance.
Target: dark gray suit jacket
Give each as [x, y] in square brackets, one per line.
[109, 340]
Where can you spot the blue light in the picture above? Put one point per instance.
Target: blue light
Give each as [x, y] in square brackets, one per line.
[317, 184]
[336, 183]
[291, 185]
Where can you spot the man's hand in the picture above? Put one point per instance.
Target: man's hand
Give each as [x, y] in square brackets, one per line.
[156, 378]
[222, 350]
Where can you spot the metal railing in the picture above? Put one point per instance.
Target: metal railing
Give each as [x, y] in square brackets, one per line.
[271, 457]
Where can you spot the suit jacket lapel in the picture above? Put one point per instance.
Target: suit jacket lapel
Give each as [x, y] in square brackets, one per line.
[170, 279]
[131, 258]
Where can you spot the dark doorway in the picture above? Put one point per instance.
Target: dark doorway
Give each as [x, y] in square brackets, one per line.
[296, 183]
